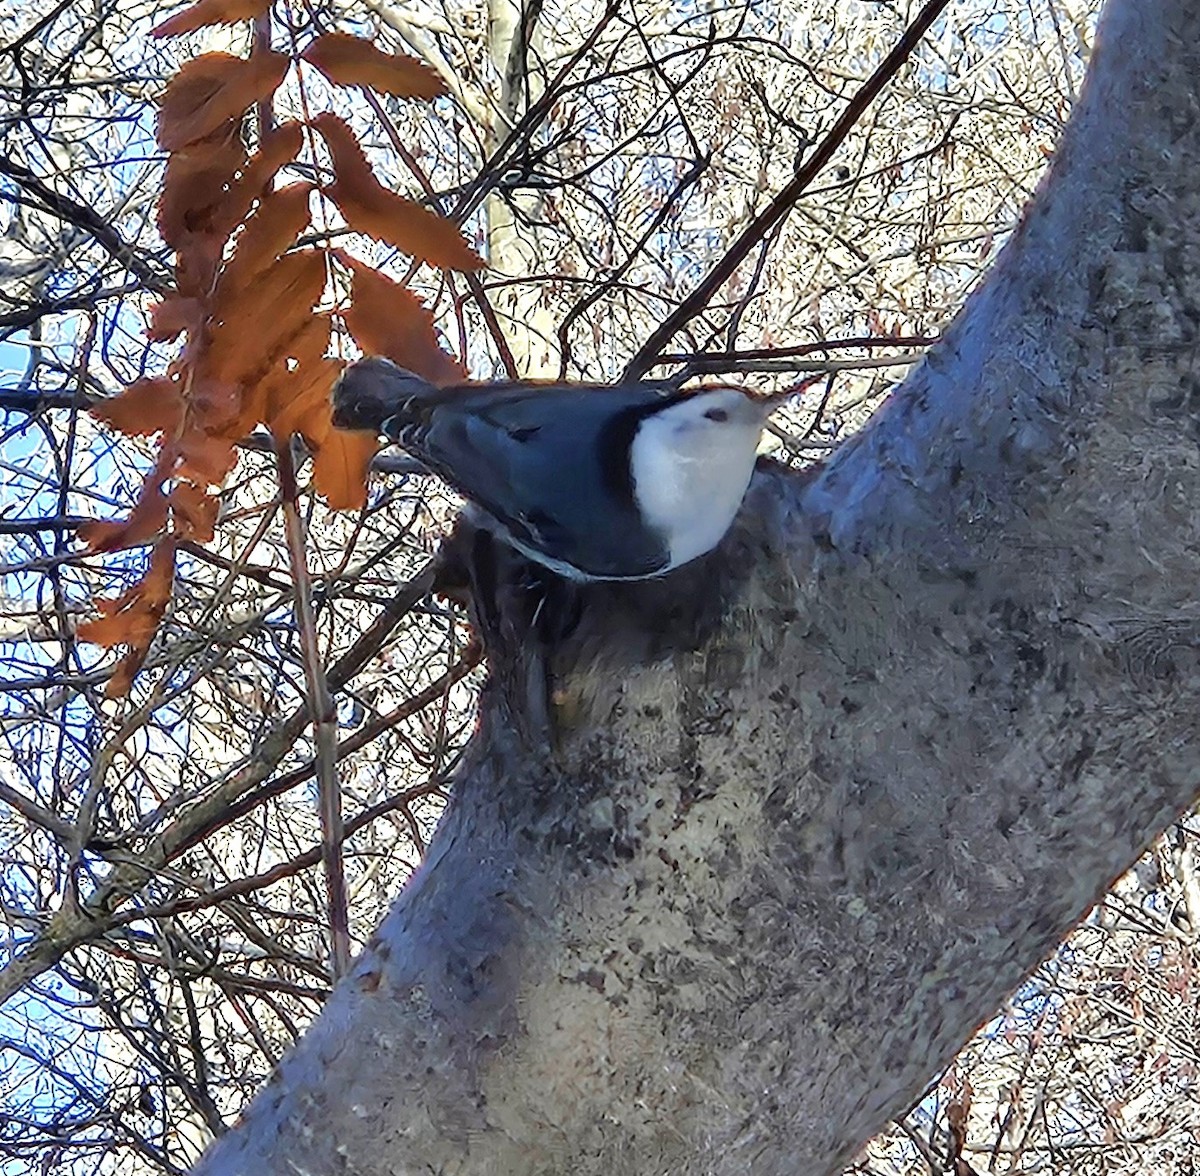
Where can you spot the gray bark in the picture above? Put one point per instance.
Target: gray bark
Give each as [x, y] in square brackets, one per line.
[809, 810]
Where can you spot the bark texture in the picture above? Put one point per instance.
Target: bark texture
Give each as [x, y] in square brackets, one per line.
[797, 818]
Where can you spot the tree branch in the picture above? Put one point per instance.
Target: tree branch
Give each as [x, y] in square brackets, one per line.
[87, 219]
[740, 857]
[781, 205]
[323, 713]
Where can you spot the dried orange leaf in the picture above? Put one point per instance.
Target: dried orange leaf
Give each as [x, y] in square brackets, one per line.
[340, 467]
[212, 89]
[294, 282]
[212, 400]
[198, 229]
[281, 146]
[133, 618]
[340, 458]
[386, 319]
[132, 626]
[148, 517]
[172, 315]
[197, 260]
[196, 184]
[254, 324]
[310, 343]
[303, 404]
[158, 581]
[195, 511]
[269, 232]
[206, 460]
[351, 61]
[282, 381]
[119, 684]
[210, 12]
[370, 208]
[145, 407]
[248, 412]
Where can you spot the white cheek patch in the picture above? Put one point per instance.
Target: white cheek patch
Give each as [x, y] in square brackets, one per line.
[690, 478]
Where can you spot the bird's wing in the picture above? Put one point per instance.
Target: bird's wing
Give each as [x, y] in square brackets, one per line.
[551, 466]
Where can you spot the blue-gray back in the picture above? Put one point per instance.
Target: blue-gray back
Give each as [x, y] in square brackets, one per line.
[549, 463]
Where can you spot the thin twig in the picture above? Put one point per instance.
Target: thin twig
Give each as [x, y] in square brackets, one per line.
[778, 208]
[472, 655]
[323, 715]
[86, 218]
[295, 865]
[715, 360]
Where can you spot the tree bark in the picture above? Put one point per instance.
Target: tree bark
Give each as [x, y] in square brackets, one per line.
[513, 250]
[795, 819]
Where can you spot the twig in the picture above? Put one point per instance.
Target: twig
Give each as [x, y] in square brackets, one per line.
[322, 713]
[68, 928]
[34, 526]
[35, 813]
[493, 170]
[778, 208]
[439, 688]
[700, 361]
[693, 176]
[33, 312]
[85, 218]
[295, 865]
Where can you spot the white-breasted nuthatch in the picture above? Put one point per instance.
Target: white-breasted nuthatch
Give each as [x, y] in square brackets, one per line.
[594, 482]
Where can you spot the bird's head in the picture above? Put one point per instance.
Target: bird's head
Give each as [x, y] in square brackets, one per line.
[691, 462]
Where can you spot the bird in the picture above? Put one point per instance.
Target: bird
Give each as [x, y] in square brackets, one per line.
[594, 482]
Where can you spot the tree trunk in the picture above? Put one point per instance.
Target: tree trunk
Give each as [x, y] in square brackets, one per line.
[513, 251]
[795, 819]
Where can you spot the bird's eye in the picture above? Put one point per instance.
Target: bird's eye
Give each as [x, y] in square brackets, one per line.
[717, 414]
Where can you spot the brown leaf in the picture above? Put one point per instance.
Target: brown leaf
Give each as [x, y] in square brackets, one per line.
[153, 591]
[310, 343]
[212, 89]
[340, 467]
[370, 208]
[386, 319]
[281, 382]
[129, 627]
[206, 460]
[147, 406]
[133, 618]
[351, 61]
[302, 404]
[119, 684]
[269, 232]
[294, 282]
[210, 12]
[172, 315]
[254, 324]
[195, 511]
[197, 260]
[212, 401]
[253, 175]
[148, 517]
[196, 184]
[201, 207]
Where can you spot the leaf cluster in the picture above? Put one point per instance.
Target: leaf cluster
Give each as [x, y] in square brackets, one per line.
[246, 303]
